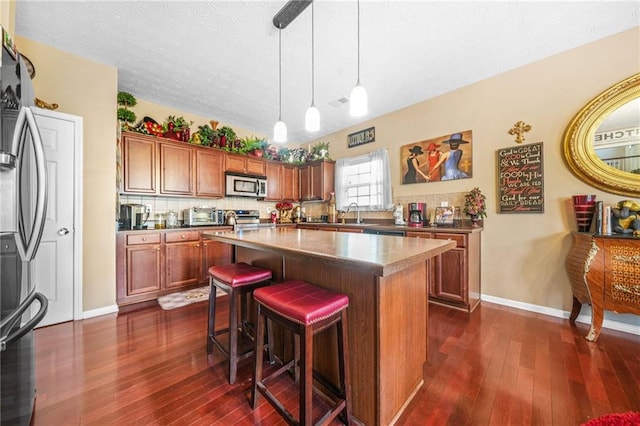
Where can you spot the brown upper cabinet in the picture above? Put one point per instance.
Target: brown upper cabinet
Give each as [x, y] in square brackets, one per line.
[209, 173]
[316, 180]
[244, 164]
[290, 183]
[138, 164]
[159, 166]
[274, 181]
[176, 169]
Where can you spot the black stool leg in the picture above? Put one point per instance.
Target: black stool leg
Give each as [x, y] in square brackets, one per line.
[211, 327]
[233, 335]
[257, 366]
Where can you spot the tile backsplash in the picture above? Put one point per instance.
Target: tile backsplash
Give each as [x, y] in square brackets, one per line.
[311, 208]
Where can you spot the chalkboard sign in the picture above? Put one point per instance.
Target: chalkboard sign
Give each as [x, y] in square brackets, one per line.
[521, 179]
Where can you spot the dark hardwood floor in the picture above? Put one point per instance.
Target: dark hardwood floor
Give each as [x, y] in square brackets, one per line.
[498, 366]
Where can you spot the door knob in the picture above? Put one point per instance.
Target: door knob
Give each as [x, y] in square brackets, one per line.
[63, 231]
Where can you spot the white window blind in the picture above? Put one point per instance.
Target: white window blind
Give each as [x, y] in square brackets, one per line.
[365, 180]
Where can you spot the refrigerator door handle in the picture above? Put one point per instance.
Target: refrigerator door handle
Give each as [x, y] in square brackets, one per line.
[28, 245]
[29, 325]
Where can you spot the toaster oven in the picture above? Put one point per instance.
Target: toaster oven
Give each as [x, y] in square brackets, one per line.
[203, 216]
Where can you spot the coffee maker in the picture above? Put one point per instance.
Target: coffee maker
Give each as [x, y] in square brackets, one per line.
[133, 216]
[418, 215]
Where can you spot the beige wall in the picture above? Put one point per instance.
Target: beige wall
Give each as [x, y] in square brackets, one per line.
[87, 89]
[160, 113]
[522, 254]
[8, 16]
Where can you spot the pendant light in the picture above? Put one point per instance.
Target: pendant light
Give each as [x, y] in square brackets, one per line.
[358, 100]
[280, 129]
[312, 117]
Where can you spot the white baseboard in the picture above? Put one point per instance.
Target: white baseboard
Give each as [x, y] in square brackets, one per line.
[584, 317]
[100, 311]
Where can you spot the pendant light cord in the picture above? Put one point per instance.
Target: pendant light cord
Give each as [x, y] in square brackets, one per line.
[358, 43]
[280, 73]
[313, 63]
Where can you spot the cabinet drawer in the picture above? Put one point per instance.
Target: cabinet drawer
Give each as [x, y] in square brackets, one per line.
[180, 236]
[143, 239]
[460, 239]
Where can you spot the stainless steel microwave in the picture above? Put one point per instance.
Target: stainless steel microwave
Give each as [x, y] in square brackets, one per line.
[245, 186]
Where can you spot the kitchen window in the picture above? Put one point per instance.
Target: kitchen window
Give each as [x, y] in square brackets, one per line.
[364, 180]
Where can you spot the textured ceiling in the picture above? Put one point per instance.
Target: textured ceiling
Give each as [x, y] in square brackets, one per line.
[219, 59]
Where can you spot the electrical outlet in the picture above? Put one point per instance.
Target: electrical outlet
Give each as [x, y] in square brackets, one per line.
[444, 204]
[268, 210]
[148, 206]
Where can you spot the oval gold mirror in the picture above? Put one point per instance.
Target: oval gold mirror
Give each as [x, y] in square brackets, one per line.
[602, 142]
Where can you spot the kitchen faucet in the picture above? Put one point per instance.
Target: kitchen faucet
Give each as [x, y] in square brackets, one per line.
[358, 220]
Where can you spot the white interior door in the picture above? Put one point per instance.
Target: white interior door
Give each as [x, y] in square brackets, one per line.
[56, 262]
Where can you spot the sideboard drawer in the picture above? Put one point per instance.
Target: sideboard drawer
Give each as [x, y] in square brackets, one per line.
[143, 239]
[460, 239]
[180, 236]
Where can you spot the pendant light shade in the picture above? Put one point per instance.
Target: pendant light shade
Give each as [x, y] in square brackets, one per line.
[280, 132]
[358, 101]
[312, 117]
[280, 129]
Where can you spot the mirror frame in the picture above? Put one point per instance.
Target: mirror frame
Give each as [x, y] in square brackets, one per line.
[579, 153]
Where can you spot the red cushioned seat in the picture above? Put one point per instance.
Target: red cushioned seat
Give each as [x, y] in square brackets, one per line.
[305, 310]
[238, 280]
[239, 274]
[301, 302]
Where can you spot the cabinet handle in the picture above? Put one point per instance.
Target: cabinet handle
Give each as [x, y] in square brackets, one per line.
[183, 237]
[158, 249]
[198, 245]
[144, 238]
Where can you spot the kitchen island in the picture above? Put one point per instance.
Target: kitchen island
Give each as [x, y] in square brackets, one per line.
[385, 279]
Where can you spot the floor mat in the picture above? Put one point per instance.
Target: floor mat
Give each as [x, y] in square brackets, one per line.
[183, 298]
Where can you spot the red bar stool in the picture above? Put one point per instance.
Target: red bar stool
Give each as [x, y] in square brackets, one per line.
[305, 310]
[237, 280]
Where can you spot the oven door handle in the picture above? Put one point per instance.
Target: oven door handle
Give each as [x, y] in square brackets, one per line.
[29, 325]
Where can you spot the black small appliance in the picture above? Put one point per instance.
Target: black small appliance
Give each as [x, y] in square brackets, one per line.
[418, 215]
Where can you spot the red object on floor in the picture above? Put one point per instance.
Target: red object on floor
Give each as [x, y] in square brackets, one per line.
[618, 419]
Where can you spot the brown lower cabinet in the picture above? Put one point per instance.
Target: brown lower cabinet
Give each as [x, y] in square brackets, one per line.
[454, 276]
[153, 263]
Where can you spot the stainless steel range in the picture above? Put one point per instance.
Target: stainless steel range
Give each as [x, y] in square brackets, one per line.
[250, 219]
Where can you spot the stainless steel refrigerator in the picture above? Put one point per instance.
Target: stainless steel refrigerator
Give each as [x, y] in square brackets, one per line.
[23, 202]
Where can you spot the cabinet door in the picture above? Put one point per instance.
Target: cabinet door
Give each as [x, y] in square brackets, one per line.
[235, 163]
[256, 166]
[214, 253]
[304, 174]
[143, 268]
[183, 264]
[176, 169]
[316, 184]
[450, 274]
[138, 164]
[290, 186]
[209, 173]
[316, 181]
[274, 181]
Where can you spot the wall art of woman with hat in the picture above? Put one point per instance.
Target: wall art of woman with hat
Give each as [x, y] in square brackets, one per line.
[413, 166]
[433, 156]
[451, 159]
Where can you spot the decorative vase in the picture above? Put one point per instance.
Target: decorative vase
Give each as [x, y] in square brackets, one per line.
[475, 219]
[583, 207]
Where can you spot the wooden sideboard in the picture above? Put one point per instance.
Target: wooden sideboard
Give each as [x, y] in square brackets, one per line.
[604, 271]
